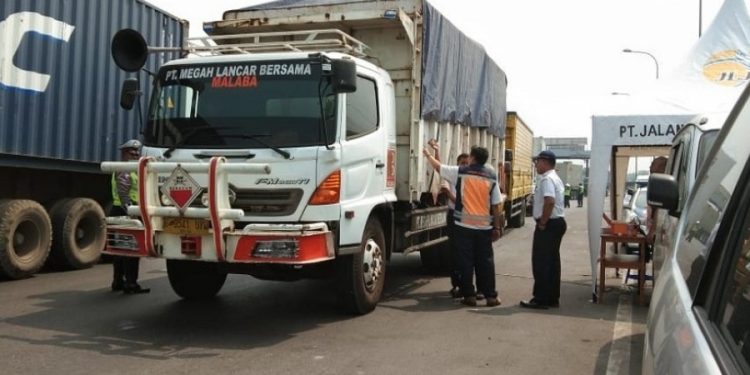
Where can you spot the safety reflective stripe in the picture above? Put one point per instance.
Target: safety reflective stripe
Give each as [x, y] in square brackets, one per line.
[133, 193]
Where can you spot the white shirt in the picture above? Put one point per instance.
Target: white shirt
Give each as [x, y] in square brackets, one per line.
[549, 185]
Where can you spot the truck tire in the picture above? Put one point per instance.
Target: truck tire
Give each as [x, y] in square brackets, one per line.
[193, 280]
[519, 220]
[361, 276]
[522, 215]
[25, 237]
[79, 233]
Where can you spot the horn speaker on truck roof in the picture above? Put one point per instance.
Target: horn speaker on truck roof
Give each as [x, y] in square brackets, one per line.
[130, 50]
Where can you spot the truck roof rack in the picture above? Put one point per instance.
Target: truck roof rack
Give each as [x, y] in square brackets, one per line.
[328, 40]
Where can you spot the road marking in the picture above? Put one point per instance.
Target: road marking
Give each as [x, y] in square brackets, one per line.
[619, 352]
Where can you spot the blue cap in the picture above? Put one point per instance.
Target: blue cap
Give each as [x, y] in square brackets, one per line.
[547, 155]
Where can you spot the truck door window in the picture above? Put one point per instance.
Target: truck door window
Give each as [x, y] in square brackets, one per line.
[362, 109]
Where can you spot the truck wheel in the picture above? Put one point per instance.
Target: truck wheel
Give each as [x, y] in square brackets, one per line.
[25, 237]
[520, 219]
[522, 215]
[79, 233]
[361, 276]
[195, 280]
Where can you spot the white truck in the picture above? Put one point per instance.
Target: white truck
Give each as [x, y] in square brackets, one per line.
[289, 146]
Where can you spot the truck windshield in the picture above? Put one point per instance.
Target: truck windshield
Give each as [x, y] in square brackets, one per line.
[233, 105]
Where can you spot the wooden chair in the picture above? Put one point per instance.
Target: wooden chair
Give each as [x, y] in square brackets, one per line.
[622, 260]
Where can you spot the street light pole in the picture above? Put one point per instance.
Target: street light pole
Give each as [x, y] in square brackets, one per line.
[628, 50]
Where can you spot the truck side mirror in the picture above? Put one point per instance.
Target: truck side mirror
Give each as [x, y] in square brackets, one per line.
[344, 76]
[129, 92]
[663, 191]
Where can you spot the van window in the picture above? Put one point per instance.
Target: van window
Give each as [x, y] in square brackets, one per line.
[707, 141]
[683, 180]
[713, 191]
[734, 307]
[362, 109]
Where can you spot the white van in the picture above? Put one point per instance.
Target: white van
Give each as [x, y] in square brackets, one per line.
[689, 150]
[699, 318]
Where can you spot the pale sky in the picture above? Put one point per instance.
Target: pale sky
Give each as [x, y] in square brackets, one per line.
[562, 58]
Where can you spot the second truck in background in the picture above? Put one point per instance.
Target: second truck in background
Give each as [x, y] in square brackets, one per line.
[518, 170]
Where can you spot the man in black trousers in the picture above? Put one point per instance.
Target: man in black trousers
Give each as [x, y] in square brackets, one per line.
[549, 214]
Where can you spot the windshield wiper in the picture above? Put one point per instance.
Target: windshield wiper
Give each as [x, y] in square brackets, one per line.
[254, 137]
[188, 136]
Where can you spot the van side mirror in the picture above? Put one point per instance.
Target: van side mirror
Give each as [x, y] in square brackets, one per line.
[663, 191]
[129, 93]
[344, 76]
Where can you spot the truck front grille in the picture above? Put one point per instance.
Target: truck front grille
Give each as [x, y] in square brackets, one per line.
[264, 202]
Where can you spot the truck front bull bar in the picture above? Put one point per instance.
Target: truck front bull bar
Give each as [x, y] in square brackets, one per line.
[219, 209]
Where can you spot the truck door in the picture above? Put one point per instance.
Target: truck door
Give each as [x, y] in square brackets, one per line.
[364, 150]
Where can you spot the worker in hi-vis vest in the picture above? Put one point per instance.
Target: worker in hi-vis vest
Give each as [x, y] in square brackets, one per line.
[124, 194]
[477, 222]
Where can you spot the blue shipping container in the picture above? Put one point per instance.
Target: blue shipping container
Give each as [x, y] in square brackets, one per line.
[59, 87]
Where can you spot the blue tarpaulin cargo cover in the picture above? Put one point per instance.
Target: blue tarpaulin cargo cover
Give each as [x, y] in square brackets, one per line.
[460, 82]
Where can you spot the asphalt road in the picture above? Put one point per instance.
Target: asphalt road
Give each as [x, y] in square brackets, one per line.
[70, 323]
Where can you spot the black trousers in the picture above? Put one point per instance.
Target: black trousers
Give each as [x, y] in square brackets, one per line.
[545, 261]
[454, 257]
[475, 253]
[125, 268]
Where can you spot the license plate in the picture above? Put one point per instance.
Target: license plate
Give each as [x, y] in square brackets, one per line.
[185, 226]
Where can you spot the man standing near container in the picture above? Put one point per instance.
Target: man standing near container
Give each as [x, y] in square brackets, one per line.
[124, 194]
[477, 208]
[580, 194]
[450, 191]
[550, 228]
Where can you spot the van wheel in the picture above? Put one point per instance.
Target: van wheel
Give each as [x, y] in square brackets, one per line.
[361, 276]
[25, 237]
[195, 280]
[79, 231]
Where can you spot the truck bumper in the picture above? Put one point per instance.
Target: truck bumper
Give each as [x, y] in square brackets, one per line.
[253, 244]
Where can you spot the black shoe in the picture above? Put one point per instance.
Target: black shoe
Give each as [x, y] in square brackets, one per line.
[117, 286]
[469, 301]
[135, 289]
[480, 296]
[532, 304]
[554, 305]
[454, 292]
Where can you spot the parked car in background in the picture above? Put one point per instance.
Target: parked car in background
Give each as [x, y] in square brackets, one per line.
[634, 209]
[699, 317]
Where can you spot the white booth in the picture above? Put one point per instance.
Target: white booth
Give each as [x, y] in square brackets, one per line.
[643, 124]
